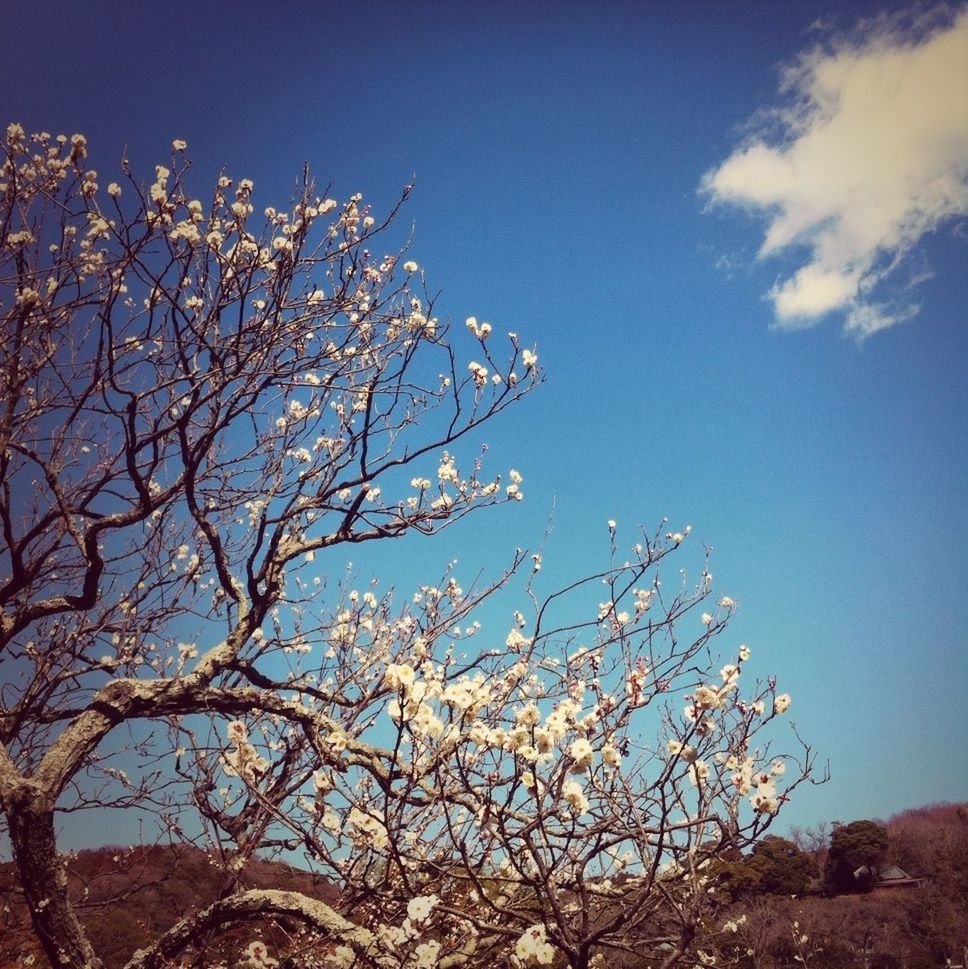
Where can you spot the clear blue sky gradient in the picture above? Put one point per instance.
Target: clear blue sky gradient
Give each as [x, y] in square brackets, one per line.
[557, 149]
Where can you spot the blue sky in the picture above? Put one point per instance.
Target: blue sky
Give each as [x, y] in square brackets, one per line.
[583, 176]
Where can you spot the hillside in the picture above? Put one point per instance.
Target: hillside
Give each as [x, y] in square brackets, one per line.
[919, 923]
[130, 895]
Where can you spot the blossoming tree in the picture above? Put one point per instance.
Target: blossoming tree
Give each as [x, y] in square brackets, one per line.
[200, 405]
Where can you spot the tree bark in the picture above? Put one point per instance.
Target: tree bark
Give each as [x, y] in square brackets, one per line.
[43, 876]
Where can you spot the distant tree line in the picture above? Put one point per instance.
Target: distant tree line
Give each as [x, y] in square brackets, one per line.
[819, 898]
[781, 905]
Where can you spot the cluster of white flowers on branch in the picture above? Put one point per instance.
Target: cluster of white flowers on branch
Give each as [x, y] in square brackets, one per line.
[200, 406]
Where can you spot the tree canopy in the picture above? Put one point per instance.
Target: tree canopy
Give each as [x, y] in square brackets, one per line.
[202, 409]
[775, 866]
[855, 846]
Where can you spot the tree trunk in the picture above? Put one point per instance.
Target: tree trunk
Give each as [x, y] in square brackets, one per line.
[43, 876]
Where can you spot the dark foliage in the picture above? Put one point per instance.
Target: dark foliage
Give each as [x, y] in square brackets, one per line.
[856, 851]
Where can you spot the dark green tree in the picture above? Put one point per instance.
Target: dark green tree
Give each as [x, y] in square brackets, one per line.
[854, 846]
[783, 868]
[738, 878]
[775, 866]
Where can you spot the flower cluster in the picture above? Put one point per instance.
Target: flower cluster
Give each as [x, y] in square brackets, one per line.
[244, 761]
[533, 948]
[760, 786]
[257, 956]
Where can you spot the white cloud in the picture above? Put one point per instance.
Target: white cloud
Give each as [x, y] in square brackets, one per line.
[869, 154]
